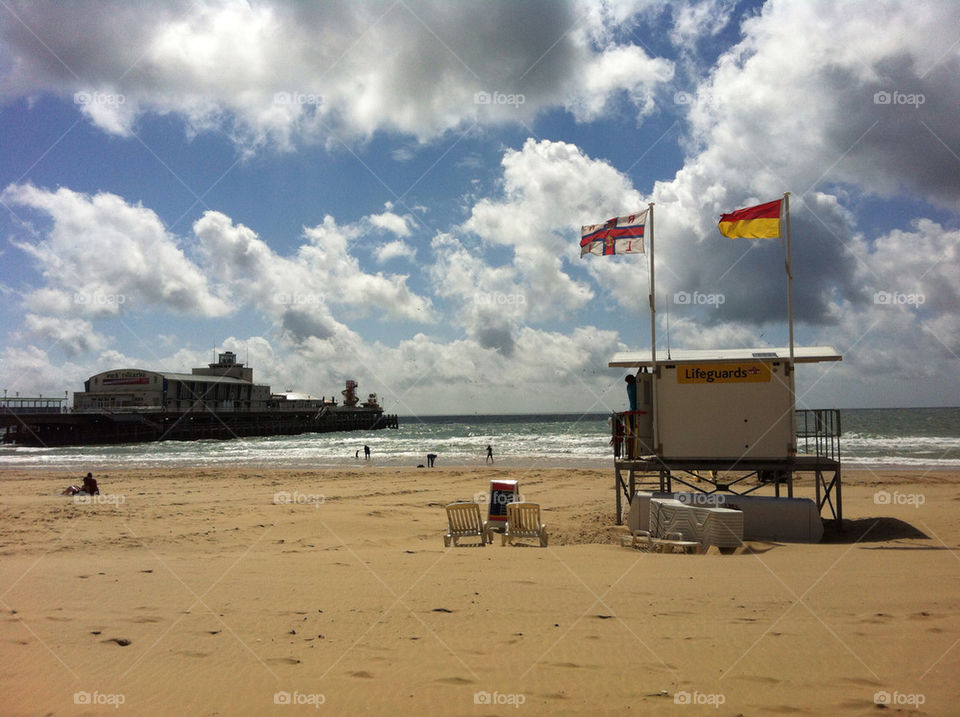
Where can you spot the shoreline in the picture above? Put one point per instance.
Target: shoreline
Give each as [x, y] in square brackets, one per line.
[123, 464]
[25, 461]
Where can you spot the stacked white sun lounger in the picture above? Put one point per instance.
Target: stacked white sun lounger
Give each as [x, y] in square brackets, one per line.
[722, 527]
[671, 519]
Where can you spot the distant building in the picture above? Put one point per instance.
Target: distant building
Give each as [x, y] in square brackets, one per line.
[222, 387]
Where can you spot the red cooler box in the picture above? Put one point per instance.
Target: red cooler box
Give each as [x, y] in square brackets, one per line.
[501, 493]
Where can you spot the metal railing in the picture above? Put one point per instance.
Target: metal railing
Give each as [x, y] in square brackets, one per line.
[818, 432]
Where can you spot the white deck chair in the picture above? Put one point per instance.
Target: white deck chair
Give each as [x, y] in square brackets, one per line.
[465, 521]
[639, 539]
[523, 521]
[673, 542]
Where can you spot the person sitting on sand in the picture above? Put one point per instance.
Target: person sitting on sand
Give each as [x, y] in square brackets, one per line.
[90, 486]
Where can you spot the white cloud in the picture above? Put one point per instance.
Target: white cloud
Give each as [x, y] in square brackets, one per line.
[391, 222]
[687, 333]
[394, 250]
[30, 371]
[299, 291]
[260, 73]
[329, 260]
[549, 189]
[795, 103]
[697, 20]
[72, 336]
[791, 107]
[103, 256]
[625, 68]
[909, 270]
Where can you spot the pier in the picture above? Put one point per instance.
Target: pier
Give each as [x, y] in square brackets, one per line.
[104, 427]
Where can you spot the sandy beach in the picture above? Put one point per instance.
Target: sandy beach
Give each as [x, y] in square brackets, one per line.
[259, 591]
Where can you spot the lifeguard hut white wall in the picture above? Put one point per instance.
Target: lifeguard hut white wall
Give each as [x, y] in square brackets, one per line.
[717, 404]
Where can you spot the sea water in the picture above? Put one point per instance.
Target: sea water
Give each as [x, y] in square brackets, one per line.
[909, 437]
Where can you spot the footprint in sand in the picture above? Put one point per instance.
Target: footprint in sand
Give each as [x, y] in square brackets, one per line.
[362, 674]
[122, 641]
[283, 660]
[861, 682]
[455, 681]
[762, 679]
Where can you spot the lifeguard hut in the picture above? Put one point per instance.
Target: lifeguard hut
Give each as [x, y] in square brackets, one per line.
[725, 421]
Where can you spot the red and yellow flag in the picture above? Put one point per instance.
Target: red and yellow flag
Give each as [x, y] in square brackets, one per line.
[759, 222]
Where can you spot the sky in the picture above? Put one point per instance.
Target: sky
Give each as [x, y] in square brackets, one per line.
[392, 192]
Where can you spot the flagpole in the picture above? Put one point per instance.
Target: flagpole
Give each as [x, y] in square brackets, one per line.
[653, 333]
[786, 206]
[791, 379]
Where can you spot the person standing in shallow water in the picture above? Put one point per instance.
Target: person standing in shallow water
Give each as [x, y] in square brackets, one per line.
[366, 453]
[489, 454]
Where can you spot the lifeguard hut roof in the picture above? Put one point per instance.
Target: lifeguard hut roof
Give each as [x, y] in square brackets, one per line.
[801, 354]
